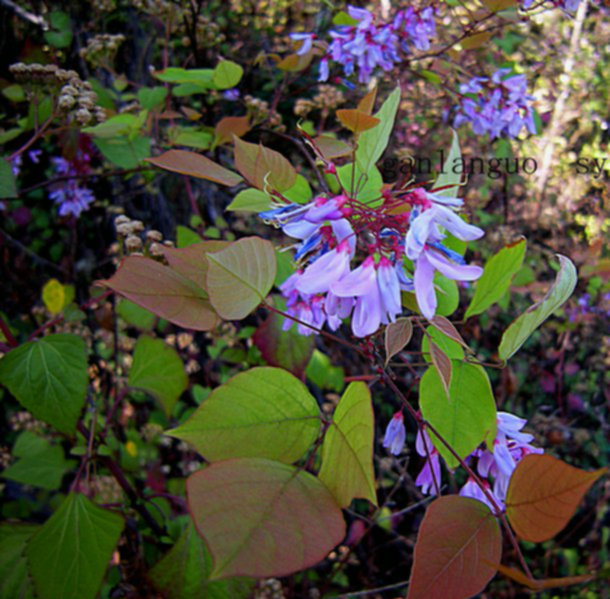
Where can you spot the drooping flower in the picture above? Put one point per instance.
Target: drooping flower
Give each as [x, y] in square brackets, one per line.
[395, 434]
[430, 475]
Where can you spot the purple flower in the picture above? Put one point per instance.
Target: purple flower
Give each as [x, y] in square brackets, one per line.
[395, 434]
[497, 106]
[306, 40]
[472, 489]
[431, 471]
[368, 45]
[325, 270]
[232, 95]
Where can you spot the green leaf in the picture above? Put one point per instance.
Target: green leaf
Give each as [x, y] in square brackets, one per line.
[183, 572]
[158, 369]
[300, 192]
[447, 179]
[518, 332]
[61, 36]
[496, 278]
[49, 378]
[452, 349]
[250, 200]
[447, 295]
[372, 143]
[124, 152]
[227, 74]
[201, 140]
[69, 555]
[186, 237]
[115, 126]
[263, 412]
[347, 451]
[240, 276]
[366, 188]
[263, 518]
[195, 165]
[469, 416]
[164, 292]
[8, 187]
[14, 579]
[343, 18]
[41, 465]
[287, 349]
[151, 97]
[203, 78]
[14, 93]
[136, 316]
[322, 373]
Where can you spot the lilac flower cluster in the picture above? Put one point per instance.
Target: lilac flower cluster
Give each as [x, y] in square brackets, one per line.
[367, 44]
[585, 307]
[326, 290]
[500, 106]
[567, 5]
[509, 448]
[71, 198]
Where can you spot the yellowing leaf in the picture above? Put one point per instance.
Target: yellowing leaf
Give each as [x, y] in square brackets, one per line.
[240, 276]
[229, 126]
[54, 296]
[347, 451]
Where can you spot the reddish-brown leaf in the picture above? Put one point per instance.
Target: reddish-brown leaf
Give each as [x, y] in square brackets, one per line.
[191, 262]
[255, 162]
[367, 103]
[263, 518]
[397, 336]
[457, 540]
[195, 165]
[229, 126]
[446, 327]
[442, 364]
[540, 585]
[543, 495]
[164, 292]
[356, 120]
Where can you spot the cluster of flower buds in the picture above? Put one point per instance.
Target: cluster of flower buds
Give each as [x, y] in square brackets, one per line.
[69, 195]
[493, 468]
[102, 48]
[368, 44]
[259, 111]
[498, 106]
[327, 99]
[330, 229]
[75, 95]
[137, 240]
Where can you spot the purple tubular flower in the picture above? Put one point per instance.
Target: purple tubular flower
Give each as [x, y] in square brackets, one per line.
[306, 39]
[472, 489]
[395, 434]
[326, 270]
